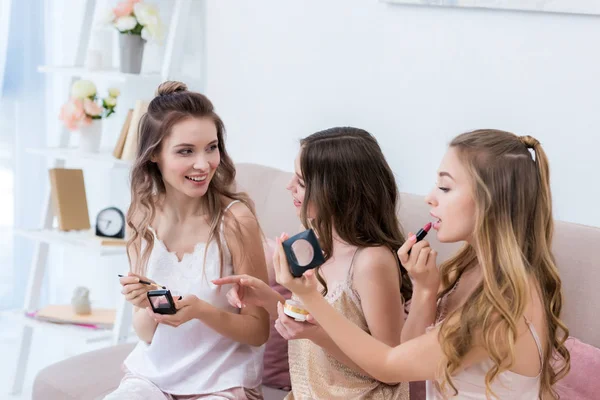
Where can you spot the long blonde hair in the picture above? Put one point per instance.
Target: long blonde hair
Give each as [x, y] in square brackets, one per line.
[174, 103]
[512, 242]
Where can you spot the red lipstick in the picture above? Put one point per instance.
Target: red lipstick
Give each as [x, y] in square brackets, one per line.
[422, 233]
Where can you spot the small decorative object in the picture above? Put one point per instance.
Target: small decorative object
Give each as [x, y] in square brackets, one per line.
[81, 301]
[110, 223]
[83, 113]
[99, 54]
[93, 59]
[137, 22]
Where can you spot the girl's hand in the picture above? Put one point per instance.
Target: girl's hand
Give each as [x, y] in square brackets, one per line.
[246, 291]
[134, 291]
[188, 308]
[420, 264]
[290, 329]
[307, 283]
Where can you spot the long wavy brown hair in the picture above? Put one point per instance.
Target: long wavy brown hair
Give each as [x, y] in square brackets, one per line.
[352, 188]
[512, 243]
[172, 104]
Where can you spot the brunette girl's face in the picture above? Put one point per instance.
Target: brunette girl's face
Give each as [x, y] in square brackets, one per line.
[297, 187]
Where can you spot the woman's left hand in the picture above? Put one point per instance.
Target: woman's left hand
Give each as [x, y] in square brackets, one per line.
[290, 329]
[306, 284]
[188, 308]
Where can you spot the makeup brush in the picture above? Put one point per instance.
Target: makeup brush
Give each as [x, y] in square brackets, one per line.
[147, 283]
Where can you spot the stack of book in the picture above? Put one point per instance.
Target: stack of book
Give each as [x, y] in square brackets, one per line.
[127, 143]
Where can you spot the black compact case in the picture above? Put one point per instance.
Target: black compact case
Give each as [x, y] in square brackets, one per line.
[308, 257]
[161, 301]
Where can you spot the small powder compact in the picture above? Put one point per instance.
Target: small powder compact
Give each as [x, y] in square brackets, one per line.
[303, 252]
[294, 309]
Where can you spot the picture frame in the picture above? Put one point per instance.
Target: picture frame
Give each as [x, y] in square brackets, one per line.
[583, 7]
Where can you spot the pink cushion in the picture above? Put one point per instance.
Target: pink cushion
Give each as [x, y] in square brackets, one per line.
[582, 382]
[276, 372]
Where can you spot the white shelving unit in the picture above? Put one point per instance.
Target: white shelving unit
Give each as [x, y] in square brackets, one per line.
[85, 334]
[112, 75]
[104, 156]
[86, 240]
[46, 235]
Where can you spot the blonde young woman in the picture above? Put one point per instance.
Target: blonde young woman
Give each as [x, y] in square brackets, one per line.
[486, 324]
[189, 228]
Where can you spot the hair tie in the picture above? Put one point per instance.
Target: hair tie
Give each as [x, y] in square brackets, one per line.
[531, 143]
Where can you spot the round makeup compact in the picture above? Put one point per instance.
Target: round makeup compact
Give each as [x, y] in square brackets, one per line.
[295, 309]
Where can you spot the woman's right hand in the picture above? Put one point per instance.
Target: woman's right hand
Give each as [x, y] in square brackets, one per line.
[246, 291]
[134, 291]
[421, 264]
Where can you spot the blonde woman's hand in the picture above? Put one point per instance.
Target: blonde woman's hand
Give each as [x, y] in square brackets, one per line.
[134, 291]
[306, 284]
[421, 264]
[188, 307]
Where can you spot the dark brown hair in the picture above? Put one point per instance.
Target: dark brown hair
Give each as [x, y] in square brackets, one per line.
[352, 189]
[174, 103]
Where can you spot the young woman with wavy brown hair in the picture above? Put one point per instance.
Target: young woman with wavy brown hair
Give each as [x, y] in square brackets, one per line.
[345, 190]
[487, 323]
[187, 227]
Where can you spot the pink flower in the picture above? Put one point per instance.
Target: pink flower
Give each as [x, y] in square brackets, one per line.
[123, 9]
[72, 114]
[91, 108]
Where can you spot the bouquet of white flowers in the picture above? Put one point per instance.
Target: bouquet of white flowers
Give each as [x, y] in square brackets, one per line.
[83, 107]
[134, 17]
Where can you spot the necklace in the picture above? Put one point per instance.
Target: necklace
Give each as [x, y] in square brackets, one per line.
[444, 301]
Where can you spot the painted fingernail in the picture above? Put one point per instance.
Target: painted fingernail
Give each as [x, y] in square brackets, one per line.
[413, 238]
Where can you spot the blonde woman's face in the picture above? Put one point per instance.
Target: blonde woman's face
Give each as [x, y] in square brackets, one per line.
[189, 156]
[451, 201]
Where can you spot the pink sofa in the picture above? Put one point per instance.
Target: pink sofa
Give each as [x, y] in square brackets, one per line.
[574, 248]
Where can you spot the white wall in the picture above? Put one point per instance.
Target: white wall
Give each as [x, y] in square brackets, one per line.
[414, 77]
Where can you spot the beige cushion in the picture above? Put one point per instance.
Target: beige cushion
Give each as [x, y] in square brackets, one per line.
[576, 251]
[267, 188]
[86, 376]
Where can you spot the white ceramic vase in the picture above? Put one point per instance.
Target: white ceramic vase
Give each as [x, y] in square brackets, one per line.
[90, 136]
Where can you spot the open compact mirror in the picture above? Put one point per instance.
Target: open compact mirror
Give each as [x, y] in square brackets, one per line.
[303, 252]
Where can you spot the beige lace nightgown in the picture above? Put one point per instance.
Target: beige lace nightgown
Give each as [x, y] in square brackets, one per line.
[317, 375]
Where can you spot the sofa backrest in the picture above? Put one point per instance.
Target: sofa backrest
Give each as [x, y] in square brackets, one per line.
[574, 246]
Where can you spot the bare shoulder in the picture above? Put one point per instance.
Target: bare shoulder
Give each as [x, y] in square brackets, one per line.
[238, 209]
[238, 215]
[371, 262]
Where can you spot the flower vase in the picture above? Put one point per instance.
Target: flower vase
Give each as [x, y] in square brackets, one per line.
[90, 137]
[131, 49]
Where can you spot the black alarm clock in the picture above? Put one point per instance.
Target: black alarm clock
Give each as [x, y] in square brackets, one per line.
[110, 222]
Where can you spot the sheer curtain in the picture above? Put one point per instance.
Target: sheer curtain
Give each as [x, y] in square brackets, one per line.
[23, 125]
[7, 112]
